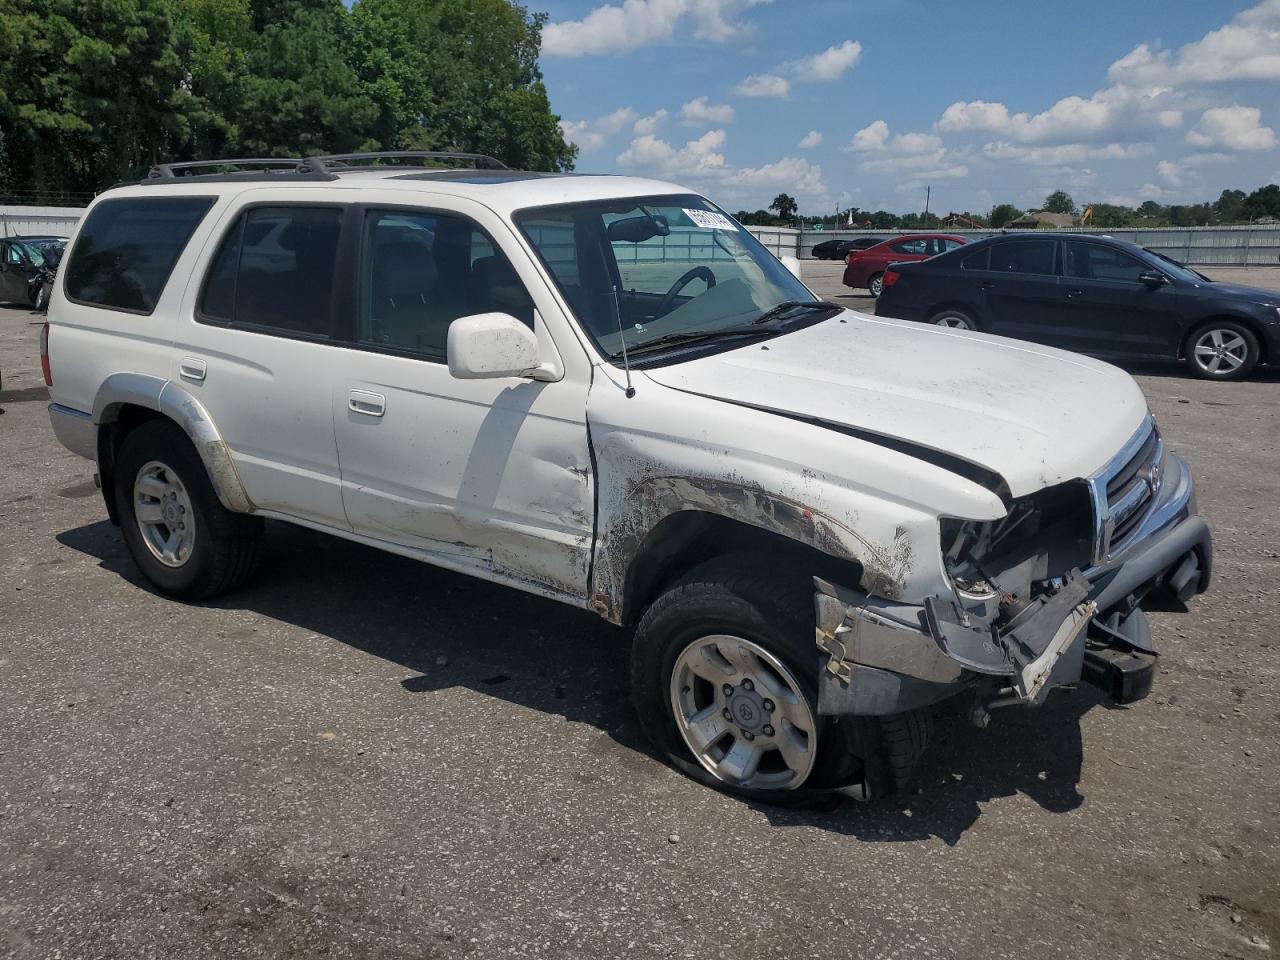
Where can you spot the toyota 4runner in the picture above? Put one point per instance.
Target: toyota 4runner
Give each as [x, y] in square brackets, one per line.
[603, 390]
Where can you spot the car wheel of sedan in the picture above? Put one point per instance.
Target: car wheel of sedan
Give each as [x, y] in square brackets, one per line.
[876, 284]
[1222, 350]
[955, 319]
[724, 673]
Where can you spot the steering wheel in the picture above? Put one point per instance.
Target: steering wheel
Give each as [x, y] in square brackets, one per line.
[697, 273]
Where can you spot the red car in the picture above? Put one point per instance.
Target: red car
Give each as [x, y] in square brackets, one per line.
[865, 268]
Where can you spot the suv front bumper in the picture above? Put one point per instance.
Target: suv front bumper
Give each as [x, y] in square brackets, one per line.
[884, 657]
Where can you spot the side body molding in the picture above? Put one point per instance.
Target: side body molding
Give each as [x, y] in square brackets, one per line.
[170, 400]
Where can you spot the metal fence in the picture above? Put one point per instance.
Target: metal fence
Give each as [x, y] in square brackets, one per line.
[1237, 246]
[18, 221]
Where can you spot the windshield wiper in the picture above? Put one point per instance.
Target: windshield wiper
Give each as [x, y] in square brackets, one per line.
[777, 311]
[692, 336]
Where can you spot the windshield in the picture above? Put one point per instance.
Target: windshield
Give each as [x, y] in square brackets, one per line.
[639, 270]
[33, 253]
[1179, 270]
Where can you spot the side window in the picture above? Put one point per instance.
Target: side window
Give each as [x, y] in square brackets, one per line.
[1092, 261]
[911, 246]
[126, 250]
[275, 271]
[422, 271]
[12, 254]
[949, 245]
[977, 261]
[1023, 256]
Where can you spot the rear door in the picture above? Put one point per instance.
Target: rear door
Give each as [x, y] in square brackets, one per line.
[13, 278]
[1019, 290]
[490, 475]
[1106, 309]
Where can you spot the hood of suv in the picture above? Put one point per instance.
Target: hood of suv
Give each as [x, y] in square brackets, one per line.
[1034, 415]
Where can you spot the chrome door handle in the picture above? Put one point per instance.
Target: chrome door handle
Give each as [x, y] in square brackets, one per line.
[367, 403]
[987, 285]
[1075, 292]
[192, 368]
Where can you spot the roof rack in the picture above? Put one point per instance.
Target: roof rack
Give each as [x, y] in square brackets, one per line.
[162, 171]
[478, 160]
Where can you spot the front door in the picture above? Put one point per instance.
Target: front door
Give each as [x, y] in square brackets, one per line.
[13, 277]
[1106, 309]
[492, 475]
[1020, 290]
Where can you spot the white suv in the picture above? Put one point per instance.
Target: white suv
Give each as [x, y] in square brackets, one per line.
[605, 391]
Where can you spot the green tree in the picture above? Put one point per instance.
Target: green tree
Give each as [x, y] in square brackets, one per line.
[1229, 207]
[1003, 214]
[1263, 202]
[785, 206]
[1111, 215]
[1059, 202]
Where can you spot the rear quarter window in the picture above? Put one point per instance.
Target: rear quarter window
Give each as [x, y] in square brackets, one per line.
[126, 250]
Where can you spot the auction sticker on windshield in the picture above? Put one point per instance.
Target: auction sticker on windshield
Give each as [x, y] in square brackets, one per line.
[709, 220]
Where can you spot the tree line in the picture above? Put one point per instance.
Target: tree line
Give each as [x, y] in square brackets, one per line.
[96, 91]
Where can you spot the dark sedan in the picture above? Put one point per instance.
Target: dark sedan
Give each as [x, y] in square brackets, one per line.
[1094, 295]
[839, 249]
[27, 266]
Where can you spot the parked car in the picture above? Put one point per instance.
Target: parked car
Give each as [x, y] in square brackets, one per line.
[839, 249]
[27, 268]
[1093, 294]
[518, 377]
[865, 268]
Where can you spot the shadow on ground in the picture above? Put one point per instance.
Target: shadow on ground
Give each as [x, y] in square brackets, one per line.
[449, 630]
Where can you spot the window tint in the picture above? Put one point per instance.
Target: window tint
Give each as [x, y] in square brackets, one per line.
[911, 246]
[275, 269]
[422, 271]
[1092, 261]
[977, 261]
[949, 245]
[127, 248]
[1023, 256]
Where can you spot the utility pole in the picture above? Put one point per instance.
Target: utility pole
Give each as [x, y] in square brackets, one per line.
[927, 191]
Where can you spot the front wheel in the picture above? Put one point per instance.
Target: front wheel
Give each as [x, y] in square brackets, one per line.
[1222, 350]
[724, 673]
[876, 285]
[40, 302]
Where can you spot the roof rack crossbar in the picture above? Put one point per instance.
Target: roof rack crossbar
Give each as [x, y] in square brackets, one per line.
[164, 170]
[480, 160]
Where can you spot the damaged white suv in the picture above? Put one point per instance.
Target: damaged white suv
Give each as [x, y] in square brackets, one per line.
[605, 391]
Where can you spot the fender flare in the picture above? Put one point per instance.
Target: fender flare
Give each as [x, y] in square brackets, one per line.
[172, 401]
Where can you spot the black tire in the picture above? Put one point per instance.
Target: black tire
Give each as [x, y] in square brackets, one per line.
[225, 550]
[940, 318]
[1230, 332]
[40, 301]
[775, 611]
[875, 284]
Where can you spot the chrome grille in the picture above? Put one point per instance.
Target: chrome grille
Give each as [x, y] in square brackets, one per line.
[1124, 491]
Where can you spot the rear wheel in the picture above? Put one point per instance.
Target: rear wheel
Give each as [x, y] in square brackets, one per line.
[876, 284]
[180, 536]
[724, 673]
[955, 319]
[1222, 350]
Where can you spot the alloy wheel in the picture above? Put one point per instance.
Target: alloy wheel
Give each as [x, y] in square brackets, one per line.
[743, 714]
[1220, 351]
[876, 285]
[162, 508]
[952, 321]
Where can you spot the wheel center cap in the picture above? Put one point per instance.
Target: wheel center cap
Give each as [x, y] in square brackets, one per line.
[747, 709]
[170, 513]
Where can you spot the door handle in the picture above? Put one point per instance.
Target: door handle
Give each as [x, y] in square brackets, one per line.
[367, 403]
[192, 368]
[987, 285]
[1074, 292]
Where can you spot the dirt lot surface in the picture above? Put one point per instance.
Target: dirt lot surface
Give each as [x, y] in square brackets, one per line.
[359, 756]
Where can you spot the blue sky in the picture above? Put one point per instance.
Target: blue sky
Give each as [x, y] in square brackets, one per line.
[866, 103]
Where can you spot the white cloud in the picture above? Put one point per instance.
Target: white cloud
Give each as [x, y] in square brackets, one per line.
[1070, 120]
[617, 28]
[1169, 172]
[1235, 128]
[764, 85]
[792, 174]
[650, 123]
[1063, 154]
[1247, 48]
[875, 138]
[913, 159]
[700, 113]
[592, 134]
[831, 64]
[1150, 191]
[811, 139]
[870, 138]
[696, 158]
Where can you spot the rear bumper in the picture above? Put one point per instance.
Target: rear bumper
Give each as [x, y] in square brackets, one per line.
[884, 657]
[75, 430]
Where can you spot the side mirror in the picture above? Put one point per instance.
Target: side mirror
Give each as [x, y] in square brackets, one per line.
[491, 345]
[1152, 278]
[792, 264]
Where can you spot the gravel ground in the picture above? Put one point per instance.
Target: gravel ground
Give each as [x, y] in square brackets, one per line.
[360, 756]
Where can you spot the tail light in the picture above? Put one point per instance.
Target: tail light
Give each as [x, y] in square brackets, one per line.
[890, 278]
[44, 356]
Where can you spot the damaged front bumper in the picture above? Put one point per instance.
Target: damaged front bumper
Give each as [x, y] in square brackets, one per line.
[883, 657]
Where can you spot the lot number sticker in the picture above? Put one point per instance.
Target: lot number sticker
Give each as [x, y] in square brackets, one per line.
[708, 220]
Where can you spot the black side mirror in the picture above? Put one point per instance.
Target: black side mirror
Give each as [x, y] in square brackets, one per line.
[1152, 278]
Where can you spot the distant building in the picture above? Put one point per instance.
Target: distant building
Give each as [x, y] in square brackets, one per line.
[1041, 220]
